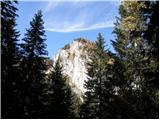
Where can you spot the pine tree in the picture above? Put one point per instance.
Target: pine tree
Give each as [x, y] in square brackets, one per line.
[59, 95]
[102, 99]
[132, 49]
[10, 58]
[33, 50]
[115, 106]
[94, 96]
[151, 62]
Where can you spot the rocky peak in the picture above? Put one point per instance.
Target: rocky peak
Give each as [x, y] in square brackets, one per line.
[74, 57]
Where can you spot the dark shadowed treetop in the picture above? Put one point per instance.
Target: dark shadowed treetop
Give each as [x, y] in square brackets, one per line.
[35, 38]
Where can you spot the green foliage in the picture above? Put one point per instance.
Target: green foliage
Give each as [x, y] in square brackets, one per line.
[93, 99]
[33, 50]
[9, 61]
[121, 85]
[132, 48]
[24, 88]
[59, 95]
[34, 45]
[130, 84]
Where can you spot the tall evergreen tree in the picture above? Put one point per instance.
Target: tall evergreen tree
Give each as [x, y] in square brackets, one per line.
[102, 99]
[33, 50]
[9, 57]
[93, 99]
[151, 73]
[132, 49]
[115, 106]
[59, 94]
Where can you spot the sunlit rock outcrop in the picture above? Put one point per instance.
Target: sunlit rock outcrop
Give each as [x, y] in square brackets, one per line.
[74, 57]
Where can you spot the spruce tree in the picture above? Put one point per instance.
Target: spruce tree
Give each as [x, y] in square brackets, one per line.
[10, 58]
[94, 96]
[33, 50]
[60, 96]
[103, 99]
[115, 105]
[151, 62]
[132, 49]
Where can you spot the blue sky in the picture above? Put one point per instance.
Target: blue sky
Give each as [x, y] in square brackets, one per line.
[68, 20]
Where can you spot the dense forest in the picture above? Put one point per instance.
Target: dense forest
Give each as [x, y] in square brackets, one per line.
[128, 87]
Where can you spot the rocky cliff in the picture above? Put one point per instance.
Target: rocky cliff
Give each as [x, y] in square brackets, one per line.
[74, 57]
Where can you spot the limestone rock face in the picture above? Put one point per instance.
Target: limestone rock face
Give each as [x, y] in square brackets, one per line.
[74, 57]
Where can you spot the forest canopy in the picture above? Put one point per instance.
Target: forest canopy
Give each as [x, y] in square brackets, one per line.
[121, 85]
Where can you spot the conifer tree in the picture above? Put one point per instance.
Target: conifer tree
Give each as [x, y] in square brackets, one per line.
[115, 105]
[132, 49]
[94, 96]
[102, 99]
[59, 95]
[151, 62]
[10, 58]
[33, 50]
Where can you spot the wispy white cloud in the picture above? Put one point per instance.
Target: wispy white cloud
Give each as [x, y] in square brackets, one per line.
[50, 5]
[79, 16]
[81, 27]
